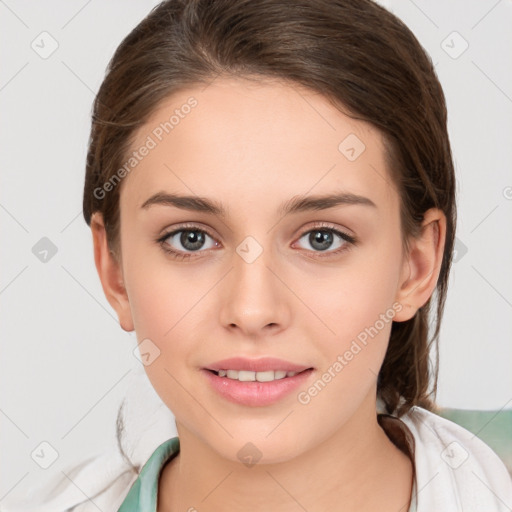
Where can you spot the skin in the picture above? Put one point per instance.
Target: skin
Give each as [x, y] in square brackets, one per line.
[253, 147]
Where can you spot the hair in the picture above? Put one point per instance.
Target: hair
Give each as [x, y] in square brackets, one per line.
[355, 53]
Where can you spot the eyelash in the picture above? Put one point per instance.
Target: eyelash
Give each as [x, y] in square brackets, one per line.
[350, 240]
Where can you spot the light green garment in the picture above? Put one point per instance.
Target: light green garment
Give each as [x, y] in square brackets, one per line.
[143, 493]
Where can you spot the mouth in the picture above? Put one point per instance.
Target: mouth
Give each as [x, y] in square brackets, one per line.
[256, 389]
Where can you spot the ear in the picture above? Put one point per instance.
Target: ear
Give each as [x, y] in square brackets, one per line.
[110, 273]
[422, 264]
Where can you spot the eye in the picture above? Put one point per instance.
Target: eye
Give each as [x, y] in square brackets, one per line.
[183, 242]
[185, 239]
[323, 237]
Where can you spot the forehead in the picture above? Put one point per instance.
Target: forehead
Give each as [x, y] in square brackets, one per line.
[250, 141]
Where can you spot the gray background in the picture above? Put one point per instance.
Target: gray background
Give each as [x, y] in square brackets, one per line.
[64, 358]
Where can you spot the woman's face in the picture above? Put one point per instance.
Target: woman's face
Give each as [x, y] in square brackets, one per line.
[255, 281]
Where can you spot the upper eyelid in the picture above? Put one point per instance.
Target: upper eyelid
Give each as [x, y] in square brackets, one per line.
[173, 231]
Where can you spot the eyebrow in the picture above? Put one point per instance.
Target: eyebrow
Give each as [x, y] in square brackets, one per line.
[294, 205]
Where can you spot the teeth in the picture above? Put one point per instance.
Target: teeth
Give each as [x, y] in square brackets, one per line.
[247, 376]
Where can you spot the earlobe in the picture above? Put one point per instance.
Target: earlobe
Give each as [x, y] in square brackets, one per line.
[110, 273]
[422, 265]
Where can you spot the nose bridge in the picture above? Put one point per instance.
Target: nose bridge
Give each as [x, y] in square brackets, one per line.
[251, 294]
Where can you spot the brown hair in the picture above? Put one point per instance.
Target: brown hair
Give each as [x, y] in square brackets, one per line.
[355, 53]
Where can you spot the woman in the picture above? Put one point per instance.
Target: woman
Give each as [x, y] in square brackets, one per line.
[271, 195]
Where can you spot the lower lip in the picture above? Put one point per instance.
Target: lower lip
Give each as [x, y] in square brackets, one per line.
[256, 393]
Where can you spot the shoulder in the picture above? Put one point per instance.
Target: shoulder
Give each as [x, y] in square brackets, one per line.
[98, 483]
[455, 470]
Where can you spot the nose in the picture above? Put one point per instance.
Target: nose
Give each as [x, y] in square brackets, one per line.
[253, 296]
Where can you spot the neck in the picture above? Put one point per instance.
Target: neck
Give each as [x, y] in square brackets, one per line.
[357, 468]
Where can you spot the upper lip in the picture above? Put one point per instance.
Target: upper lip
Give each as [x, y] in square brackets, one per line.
[256, 365]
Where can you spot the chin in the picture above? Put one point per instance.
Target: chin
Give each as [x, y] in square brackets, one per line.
[259, 449]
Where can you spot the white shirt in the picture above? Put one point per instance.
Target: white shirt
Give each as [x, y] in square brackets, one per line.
[455, 470]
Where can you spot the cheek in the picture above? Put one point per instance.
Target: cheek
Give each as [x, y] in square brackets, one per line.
[165, 308]
[354, 297]
[353, 311]
[159, 297]
[168, 308]
[359, 316]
